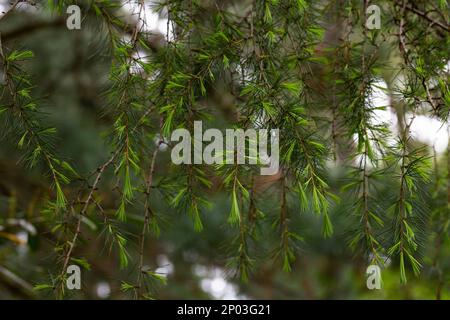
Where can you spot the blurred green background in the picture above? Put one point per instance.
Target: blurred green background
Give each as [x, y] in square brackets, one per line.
[70, 74]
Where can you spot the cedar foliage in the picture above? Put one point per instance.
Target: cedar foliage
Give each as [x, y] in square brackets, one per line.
[308, 68]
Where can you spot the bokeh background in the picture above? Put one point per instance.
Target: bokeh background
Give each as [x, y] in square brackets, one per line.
[70, 71]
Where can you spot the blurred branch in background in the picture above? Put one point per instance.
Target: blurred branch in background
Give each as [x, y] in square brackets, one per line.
[363, 119]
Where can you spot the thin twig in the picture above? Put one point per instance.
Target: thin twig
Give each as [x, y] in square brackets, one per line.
[149, 183]
[424, 16]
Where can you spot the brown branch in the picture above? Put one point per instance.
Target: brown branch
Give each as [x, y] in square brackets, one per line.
[100, 171]
[401, 38]
[16, 283]
[31, 27]
[13, 6]
[149, 183]
[404, 52]
[429, 97]
[102, 168]
[425, 16]
[93, 188]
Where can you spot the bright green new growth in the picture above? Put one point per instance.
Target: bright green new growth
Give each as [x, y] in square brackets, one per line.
[246, 64]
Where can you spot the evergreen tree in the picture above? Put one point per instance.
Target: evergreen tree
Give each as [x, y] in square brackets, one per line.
[87, 117]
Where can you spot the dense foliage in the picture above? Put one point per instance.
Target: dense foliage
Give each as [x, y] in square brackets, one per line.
[86, 174]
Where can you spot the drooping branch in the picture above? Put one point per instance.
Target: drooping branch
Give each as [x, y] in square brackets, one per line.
[424, 15]
[10, 9]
